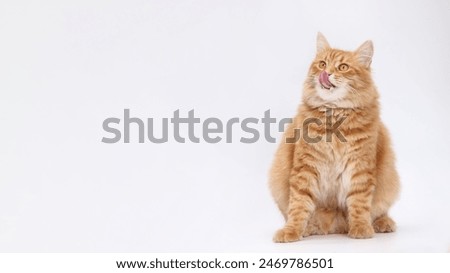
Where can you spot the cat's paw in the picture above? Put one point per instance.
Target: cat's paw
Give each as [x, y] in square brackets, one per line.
[286, 235]
[384, 224]
[361, 231]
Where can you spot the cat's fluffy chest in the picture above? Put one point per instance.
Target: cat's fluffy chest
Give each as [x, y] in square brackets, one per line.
[335, 150]
[334, 177]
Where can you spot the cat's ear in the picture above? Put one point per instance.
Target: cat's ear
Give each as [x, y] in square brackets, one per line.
[322, 42]
[364, 53]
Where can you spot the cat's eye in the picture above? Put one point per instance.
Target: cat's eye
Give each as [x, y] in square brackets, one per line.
[343, 67]
[322, 64]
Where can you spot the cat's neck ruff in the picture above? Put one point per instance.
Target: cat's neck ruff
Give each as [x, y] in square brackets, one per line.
[319, 103]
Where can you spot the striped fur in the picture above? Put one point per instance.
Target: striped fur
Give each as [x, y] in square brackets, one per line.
[336, 186]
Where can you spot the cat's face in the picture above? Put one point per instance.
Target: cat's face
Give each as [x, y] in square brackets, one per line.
[340, 78]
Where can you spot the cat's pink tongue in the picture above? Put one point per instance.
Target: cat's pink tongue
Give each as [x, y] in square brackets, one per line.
[324, 81]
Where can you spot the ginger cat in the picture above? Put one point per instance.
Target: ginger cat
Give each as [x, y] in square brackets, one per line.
[341, 183]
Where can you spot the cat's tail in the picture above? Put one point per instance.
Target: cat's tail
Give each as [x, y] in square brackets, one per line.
[327, 221]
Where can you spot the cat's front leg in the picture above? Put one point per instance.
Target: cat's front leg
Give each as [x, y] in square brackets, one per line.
[301, 205]
[359, 200]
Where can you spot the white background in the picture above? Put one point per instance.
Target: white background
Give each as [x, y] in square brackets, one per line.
[65, 66]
